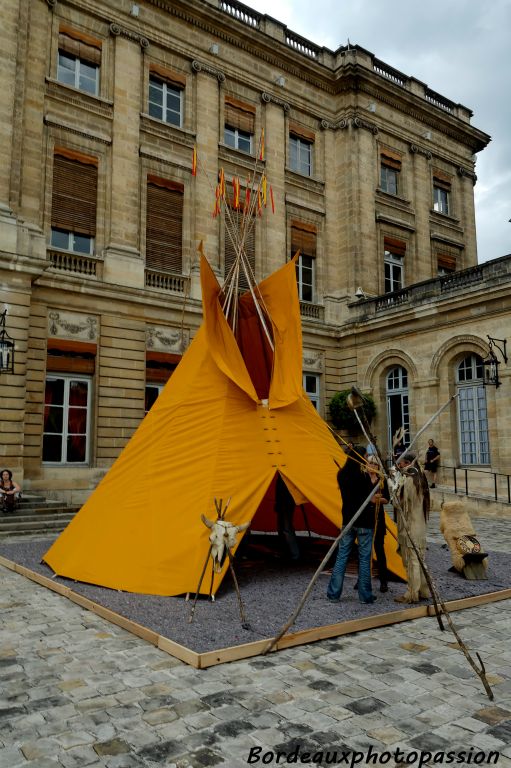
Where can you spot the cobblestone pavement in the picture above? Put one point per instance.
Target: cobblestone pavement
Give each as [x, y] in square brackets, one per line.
[76, 691]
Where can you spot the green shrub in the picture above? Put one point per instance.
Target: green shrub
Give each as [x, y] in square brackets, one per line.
[343, 417]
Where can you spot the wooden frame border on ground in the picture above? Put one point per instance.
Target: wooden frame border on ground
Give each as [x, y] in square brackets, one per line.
[257, 648]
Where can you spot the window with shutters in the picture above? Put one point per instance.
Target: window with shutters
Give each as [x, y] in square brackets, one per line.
[239, 231]
[79, 60]
[239, 125]
[394, 253]
[441, 193]
[303, 239]
[390, 168]
[446, 264]
[164, 225]
[159, 368]
[166, 95]
[74, 201]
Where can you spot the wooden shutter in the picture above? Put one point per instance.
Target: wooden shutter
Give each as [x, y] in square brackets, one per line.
[303, 239]
[75, 191]
[235, 219]
[168, 75]
[160, 366]
[84, 47]
[301, 132]
[239, 115]
[394, 246]
[70, 357]
[164, 226]
[390, 159]
[446, 261]
[441, 180]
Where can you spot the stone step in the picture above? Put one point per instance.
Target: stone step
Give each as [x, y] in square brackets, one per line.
[26, 528]
[40, 505]
[42, 516]
[36, 515]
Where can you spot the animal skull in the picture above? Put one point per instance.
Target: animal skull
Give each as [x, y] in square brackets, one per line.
[222, 538]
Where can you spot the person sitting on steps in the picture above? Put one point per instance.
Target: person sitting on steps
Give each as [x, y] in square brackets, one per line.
[10, 491]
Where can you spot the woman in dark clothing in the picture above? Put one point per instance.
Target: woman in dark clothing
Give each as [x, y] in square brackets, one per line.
[9, 491]
[355, 486]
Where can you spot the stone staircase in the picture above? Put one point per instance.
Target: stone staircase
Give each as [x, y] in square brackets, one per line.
[36, 515]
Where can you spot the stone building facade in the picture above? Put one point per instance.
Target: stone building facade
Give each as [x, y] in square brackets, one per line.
[372, 175]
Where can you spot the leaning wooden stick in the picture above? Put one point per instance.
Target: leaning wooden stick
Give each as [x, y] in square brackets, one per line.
[190, 618]
[321, 566]
[396, 502]
[437, 600]
[244, 622]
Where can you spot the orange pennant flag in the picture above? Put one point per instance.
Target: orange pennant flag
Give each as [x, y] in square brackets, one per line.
[261, 153]
[194, 162]
[264, 190]
[272, 200]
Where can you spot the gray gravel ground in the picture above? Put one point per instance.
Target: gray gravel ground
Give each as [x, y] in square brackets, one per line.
[271, 590]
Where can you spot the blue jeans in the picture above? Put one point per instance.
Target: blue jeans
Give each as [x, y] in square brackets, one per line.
[365, 543]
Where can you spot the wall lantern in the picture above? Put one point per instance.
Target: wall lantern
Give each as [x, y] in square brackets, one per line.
[6, 347]
[491, 361]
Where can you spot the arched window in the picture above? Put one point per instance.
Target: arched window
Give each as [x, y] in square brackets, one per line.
[472, 414]
[398, 412]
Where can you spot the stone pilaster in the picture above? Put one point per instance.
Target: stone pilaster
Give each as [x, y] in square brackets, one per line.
[122, 261]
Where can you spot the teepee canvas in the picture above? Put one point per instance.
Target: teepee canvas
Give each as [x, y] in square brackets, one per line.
[233, 415]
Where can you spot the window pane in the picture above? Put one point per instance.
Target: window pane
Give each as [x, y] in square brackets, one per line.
[60, 239]
[156, 92]
[88, 79]
[151, 394]
[172, 117]
[52, 448]
[82, 244]
[76, 445]
[389, 180]
[53, 418]
[230, 137]
[156, 110]
[66, 69]
[244, 142]
[77, 421]
[88, 84]
[54, 392]
[78, 391]
[293, 153]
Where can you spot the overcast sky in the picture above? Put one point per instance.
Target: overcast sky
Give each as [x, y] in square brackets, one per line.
[459, 48]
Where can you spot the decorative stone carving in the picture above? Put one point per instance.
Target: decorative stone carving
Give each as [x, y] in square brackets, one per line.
[69, 325]
[116, 30]
[197, 66]
[358, 122]
[269, 97]
[162, 339]
[326, 124]
[312, 360]
[469, 174]
[416, 150]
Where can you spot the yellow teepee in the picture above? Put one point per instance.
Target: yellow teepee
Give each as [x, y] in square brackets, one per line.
[209, 435]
